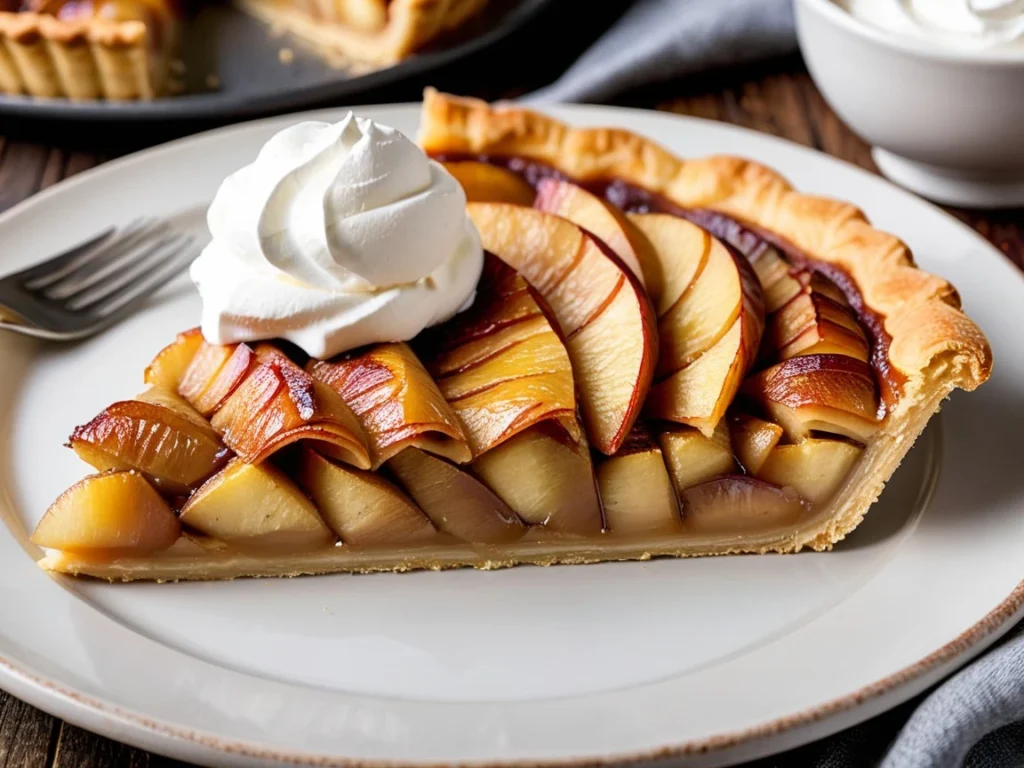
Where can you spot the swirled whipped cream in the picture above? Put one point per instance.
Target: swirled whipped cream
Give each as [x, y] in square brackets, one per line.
[336, 236]
[963, 23]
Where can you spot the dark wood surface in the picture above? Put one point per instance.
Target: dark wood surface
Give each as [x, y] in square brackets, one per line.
[778, 98]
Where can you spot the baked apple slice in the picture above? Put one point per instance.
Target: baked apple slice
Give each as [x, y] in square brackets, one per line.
[167, 369]
[508, 377]
[603, 220]
[214, 373]
[814, 323]
[752, 440]
[361, 507]
[255, 506]
[157, 434]
[814, 468]
[278, 403]
[780, 281]
[710, 324]
[635, 487]
[395, 400]
[693, 458]
[680, 251]
[826, 393]
[738, 504]
[500, 364]
[108, 516]
[603, 313]
[546, 477]
[455, 501]
[487, 183]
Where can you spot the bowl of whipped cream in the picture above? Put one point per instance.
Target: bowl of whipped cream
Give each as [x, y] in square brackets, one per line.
[935, 86]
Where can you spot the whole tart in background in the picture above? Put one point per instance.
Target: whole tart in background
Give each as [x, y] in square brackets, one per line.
[126, 49]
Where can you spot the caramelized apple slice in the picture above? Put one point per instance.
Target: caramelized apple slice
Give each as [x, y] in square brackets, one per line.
[167, 369]
[214, 373]
[601, 308]
[811, 323]
[361, 507]
[159, 435]
[455, 501]
[711, 316]
[752, 440]
[823, 286]
[396, 402]
[635, 488]
[725, 290]
[487, 183]
[700, 393]
[166, 398]
[740, 505]
[604, 220]
[780, 282]
[814, 468]
[108, 516]
[693, 458]
[254, 506]
[680, 251]
[812, 314]
[500, 363]
[827, 393]
[278, 403]
[546, 478]
[825, 338]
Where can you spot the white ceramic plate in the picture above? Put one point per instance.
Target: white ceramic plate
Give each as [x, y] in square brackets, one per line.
[710, 661]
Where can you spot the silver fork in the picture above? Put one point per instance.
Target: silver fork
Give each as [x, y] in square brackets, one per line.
[95, 284]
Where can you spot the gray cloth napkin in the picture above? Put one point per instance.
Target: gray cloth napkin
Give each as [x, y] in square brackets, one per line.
[974, 718]
[659, 40]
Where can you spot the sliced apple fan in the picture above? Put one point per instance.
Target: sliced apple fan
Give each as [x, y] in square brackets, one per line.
[626, 385]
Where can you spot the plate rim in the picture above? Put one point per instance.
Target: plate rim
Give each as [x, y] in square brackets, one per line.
[135, 728]
[82, 710]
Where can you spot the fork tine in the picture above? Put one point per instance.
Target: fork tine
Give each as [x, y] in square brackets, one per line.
[133, 296]
[77, 277]
[53, 269]
[143, 262]
[64, 258]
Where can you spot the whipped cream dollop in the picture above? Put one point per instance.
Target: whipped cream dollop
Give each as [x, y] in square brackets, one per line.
[336, 236]
[948, 23]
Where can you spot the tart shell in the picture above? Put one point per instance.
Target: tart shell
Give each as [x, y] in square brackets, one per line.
[43, 56]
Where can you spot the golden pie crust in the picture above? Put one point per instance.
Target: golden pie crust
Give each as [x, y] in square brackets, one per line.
[934, 345]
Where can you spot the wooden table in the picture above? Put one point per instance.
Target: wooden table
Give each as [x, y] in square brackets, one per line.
[783, 102]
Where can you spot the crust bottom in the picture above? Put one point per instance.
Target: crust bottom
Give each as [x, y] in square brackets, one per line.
[224, 565]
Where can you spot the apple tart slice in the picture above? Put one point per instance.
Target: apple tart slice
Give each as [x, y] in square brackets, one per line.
[859, 348]
[664, 357]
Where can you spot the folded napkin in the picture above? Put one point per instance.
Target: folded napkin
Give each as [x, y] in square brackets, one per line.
[972, 719]
[660, 40]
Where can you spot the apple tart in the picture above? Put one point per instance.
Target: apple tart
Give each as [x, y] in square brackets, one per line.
[125, 49]
[665, 357]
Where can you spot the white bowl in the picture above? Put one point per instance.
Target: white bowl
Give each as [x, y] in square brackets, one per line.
[945, 123]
